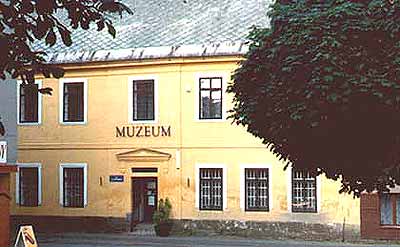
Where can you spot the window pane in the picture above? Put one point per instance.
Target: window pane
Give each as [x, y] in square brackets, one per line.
[73, 187]
[205, 83]
[211, 189]
[205, 104]
[143, 100]
[304, 190]
[216, 83]
[28, 186]
[28, 103]
[386, 210]
[397, 210]
[74, 102]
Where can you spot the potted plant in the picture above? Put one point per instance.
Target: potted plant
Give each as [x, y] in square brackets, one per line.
[161, 220]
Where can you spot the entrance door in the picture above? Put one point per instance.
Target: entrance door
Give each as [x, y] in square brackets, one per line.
[144, 199]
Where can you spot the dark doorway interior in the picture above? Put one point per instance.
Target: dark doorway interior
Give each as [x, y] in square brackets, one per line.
[144, 199]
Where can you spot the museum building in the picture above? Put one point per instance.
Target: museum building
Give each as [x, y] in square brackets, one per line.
[144, 116]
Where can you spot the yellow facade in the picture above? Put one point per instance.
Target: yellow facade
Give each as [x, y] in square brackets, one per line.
[191, 143]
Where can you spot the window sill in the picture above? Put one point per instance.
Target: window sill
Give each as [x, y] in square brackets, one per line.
[73, 123]
[143, 122]
[29, 124]
[390, 226]
[210, 120]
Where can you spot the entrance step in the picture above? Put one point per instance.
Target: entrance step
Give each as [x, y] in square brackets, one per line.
[144, 230]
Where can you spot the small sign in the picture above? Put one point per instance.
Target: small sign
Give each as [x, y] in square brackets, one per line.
[116, 178]
[27, 235]
[3, 152]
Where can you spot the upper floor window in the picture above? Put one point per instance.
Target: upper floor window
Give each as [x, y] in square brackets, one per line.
[256, 189]
[28, 185]
[29, 103]
[73, 101]
[304, 192]
[210, 98]
[142, 99]
[73, 185]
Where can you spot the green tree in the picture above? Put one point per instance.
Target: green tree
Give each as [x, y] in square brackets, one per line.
[321, 88]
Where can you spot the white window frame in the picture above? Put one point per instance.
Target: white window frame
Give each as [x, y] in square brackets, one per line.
[289, 192]
[39, 122]
[243, 186]
[28, 165]
[224, 185]
[130, 99]
[61, 100]
[61, 181]
[224, 77]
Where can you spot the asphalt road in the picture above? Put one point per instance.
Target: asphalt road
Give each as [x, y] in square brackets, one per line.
[123, 240]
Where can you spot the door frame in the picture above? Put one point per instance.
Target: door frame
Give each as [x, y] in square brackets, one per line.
[132, 222]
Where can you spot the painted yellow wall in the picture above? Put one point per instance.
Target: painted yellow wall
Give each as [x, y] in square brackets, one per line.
[199, 142]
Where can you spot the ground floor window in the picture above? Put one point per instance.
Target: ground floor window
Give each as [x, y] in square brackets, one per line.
[390, 209]
[73, 185]
[29, 185]
[256, 189]
[211, 191]
[304, 192]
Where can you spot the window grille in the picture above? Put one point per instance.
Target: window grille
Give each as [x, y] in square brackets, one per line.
[28, 186]
[304, 188]
[73, 187]
[257, 191]
[210, 95]
[28, 103]
[211, 189]
[143, 100]
[73, 102]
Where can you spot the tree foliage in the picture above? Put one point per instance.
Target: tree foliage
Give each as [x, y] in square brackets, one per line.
[321, 88]
[22, 22]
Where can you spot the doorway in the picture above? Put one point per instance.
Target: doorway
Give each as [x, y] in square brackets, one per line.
[144, 199]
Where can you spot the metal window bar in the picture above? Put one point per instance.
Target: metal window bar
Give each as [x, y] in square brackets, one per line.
[206, 104]
[28, 107]
[73, 187]
[73, 102]
[28, 186]
[304, 196]
[256, 189]
[143, 100]
[211, 189]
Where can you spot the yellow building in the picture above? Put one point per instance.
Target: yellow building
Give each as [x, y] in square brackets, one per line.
[127, 126]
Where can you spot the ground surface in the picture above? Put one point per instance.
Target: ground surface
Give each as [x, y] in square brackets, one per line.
[123, 240]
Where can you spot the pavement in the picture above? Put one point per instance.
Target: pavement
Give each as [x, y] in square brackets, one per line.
[125, 239]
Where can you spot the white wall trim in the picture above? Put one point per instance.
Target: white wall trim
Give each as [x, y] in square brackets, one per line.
[242, 184]
[29, 165]
[224, 184]
[196, 90]
[39, 82]
[130, 98]
[61, 181]
[61, 100]
[289, 190]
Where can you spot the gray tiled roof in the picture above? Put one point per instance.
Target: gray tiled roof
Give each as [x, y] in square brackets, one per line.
[157, 23]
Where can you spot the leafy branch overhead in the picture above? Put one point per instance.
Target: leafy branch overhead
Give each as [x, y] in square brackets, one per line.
[22, 22]
[321, 88]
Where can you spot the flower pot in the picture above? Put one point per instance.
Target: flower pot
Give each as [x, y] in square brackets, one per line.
[163, 229]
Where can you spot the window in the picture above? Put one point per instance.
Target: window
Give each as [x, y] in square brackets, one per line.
[211, 189]
[28, 185]
[73, 185]
[390, 209]
[256, 189]
[29, 103]
[143, 99]
[304, 192]
[73, 101]
[210, 98]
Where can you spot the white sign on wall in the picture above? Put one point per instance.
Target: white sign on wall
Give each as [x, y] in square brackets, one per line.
[3, 152]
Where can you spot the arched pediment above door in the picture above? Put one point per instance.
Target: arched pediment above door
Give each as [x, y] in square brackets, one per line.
[144, 154]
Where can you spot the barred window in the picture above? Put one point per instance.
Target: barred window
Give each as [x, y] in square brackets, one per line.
[28, 103]
[143, 100]
[211, 189]
[304, 188]
[74, 102]
[73, 187]
[210, 98]
[28, 186]
[390, 209]
[256, 189]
